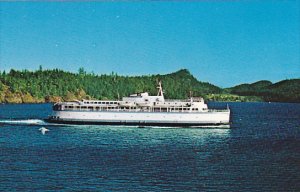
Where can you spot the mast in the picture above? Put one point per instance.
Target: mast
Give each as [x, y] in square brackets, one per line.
[191, 96]
[160, 90]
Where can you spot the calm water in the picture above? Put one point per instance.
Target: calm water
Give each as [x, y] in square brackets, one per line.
[260, 153]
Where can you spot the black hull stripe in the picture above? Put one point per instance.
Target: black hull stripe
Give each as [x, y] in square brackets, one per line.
[134, 123]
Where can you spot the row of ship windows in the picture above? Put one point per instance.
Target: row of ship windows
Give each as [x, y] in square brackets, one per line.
[114, 102]
[100, 102]
[98, 108]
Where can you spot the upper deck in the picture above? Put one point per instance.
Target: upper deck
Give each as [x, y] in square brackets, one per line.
[139, 102]
[98, 105]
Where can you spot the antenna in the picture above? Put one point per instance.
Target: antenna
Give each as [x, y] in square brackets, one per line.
[191, 96]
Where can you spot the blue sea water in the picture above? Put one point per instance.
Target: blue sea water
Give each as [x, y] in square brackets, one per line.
[261, 152]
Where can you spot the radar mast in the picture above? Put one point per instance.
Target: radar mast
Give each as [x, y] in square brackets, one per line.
[160, 90]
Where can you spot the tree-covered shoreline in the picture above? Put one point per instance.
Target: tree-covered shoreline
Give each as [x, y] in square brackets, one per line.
[57, 85]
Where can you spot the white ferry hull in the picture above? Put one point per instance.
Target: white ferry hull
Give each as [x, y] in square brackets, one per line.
[142, 118]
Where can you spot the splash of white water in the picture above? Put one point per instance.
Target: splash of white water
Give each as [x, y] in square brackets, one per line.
[23, 122]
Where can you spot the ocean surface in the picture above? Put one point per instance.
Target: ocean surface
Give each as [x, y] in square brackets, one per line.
[261, 152]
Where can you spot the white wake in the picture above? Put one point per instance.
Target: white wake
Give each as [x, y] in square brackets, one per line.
[23, 122]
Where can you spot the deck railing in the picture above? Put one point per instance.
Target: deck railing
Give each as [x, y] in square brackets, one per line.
[218, 110]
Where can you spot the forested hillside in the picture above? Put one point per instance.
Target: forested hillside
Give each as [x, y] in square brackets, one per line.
[57, 85]
[54, 85]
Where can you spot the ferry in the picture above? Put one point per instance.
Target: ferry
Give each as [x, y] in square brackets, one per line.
[140, 109]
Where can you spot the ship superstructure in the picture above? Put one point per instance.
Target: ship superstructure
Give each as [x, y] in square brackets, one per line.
[140, 109]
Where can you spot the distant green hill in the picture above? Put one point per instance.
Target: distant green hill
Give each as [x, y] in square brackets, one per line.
[57, 85]
[249, 89]
[283, 91]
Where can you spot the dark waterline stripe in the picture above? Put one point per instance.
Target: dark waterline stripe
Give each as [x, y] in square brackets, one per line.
[133, 123]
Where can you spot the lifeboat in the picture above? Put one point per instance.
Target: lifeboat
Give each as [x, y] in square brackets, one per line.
[145, 104]
[127, 104]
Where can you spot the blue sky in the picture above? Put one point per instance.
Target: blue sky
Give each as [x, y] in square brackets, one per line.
[224, 43]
